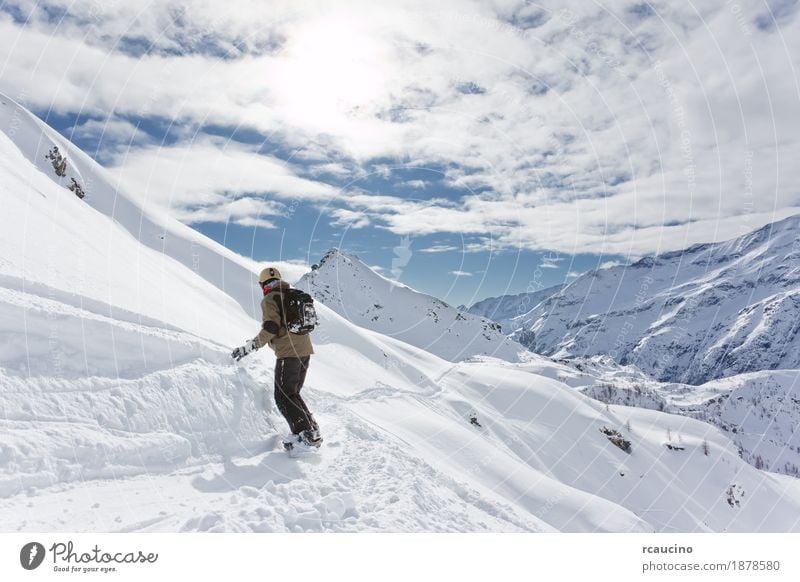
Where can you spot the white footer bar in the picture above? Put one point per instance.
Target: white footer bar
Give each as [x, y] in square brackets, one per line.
[389, 557]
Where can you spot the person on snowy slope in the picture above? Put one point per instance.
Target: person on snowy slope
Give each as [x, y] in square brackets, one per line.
[293, 354]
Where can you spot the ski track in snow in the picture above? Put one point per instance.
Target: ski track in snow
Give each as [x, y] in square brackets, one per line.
[268, 491]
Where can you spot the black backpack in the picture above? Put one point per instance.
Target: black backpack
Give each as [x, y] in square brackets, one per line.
[298, 311]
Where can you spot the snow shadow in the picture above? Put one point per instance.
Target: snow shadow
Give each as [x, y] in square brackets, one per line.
[275, 467]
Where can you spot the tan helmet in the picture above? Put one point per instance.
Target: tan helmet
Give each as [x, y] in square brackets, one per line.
[269, 273]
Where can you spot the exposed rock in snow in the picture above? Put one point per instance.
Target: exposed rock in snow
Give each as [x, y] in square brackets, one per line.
[760, 411]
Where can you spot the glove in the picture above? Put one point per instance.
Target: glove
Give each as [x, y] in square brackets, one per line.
[242, 351]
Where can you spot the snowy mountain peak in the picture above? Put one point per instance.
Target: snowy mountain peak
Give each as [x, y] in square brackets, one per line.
[357, 292]
[338, 261]
[335, 254]
[709, 311]
[507, 309]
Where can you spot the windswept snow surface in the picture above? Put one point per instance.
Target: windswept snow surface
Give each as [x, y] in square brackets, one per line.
[120, 409]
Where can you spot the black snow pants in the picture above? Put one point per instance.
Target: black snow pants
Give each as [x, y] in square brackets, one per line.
[290, 374]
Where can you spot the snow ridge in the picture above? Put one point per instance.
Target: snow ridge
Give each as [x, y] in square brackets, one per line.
[710, 311]
[355, 291]
[507, 309]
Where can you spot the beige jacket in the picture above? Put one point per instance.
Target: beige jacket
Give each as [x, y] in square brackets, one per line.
[273, 331]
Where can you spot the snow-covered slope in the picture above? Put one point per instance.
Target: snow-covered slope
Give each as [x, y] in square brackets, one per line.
[121, 411]
[362, 296]
[115, 257]
[759, 411]
[507, 309]
[707, 312]
[184, 445]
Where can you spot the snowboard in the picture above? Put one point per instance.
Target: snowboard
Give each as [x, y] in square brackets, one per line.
[296, 448]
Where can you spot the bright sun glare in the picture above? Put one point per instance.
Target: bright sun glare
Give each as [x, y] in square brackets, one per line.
[328, 69]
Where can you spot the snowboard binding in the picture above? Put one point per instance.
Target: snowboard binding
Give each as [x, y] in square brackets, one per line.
[307, 440]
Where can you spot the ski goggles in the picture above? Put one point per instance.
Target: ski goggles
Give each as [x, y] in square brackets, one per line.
[267, 285]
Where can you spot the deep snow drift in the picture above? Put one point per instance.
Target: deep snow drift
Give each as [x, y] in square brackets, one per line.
[121, 411]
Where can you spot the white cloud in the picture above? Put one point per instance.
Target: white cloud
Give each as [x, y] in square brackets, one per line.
[593, 128]
[550, 261]
[439, 249]
[336, 169]
[210, 175]
[255, 222]
[461, 273]
[109, 137]
[115, 131]
[349, 218]
[243, 211]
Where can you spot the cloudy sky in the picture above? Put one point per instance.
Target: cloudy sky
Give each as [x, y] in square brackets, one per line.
[471, 149]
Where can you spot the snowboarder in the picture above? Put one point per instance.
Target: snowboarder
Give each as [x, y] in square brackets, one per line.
[293, 353]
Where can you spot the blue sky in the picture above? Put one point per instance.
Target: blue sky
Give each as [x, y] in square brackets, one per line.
[474, 149]
[441, 264]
